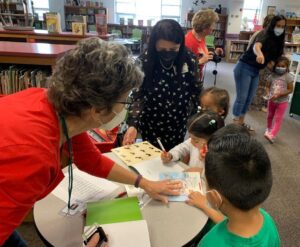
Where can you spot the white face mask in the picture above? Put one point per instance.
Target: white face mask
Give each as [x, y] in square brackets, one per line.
[116, 121]
[278, 31]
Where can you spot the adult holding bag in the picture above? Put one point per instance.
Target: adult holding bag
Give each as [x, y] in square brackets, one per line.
[267, 46]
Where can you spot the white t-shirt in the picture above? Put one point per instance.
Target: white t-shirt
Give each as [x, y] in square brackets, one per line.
[186, 148]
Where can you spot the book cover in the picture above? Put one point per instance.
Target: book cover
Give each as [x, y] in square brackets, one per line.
[101, 23]
[113, 211]
[53, 22]
[78, 28]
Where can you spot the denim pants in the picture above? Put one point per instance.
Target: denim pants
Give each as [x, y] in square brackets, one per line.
[14, 240]
[246, 82]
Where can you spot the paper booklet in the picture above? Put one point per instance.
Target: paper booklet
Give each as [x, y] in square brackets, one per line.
[121, 219]
[135, 153]
[191, 182]
[151, 169]
[127, 234]
[86, 187]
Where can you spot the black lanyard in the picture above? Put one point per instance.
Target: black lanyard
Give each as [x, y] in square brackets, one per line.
[70, 160]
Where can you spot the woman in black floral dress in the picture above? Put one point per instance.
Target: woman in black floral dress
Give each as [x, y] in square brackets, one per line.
[170, 90]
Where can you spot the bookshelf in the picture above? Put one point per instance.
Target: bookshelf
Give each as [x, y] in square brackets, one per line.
[75, 13]
[291, 24]
[24, 65]
[237, 47]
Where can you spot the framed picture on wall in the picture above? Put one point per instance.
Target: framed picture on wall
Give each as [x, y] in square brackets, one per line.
[271, 10]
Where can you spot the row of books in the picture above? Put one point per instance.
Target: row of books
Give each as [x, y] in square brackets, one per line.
[16, 78]
[292, 49]
[238, 47]
[234, 56]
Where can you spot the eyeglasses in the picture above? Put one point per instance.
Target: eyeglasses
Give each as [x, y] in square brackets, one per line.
[127, 103]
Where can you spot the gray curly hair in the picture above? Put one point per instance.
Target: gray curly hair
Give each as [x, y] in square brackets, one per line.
[204, 19]
[95, 73]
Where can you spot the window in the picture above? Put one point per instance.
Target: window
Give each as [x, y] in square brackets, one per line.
[147, 10]
[40, 7]
[251, 13]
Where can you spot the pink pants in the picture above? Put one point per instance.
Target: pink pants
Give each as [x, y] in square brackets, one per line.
[275, 116]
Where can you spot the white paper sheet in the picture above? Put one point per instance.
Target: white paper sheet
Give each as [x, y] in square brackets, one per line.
[151, 169]
[127, 234]
[85, 187]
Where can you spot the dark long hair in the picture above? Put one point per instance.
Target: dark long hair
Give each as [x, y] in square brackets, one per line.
[275, 44]
[169, 30]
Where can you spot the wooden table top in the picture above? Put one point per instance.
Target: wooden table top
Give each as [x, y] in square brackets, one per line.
[61, 34]
[32, 49]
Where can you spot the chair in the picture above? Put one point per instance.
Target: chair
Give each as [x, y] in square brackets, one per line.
[210, 41]
[136, 38]
[117, 33]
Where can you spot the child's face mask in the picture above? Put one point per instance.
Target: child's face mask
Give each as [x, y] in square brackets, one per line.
[280, 70]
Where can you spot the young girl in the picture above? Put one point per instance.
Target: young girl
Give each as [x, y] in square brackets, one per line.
[200, 127]
[216, 100]
[280, 85]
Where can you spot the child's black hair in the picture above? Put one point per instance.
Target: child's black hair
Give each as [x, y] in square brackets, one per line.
[238, 167]
[221, 98]
[203, 124]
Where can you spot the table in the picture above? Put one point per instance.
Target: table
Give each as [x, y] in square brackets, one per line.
[172, 225]
[31, 53]
[44, 36]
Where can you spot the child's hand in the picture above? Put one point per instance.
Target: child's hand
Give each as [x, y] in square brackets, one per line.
[166, 157]
[197, 199]
[275, 96]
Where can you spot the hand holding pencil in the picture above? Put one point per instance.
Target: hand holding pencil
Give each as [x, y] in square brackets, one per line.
[165, 156]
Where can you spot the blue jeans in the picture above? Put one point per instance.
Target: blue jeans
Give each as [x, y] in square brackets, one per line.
[14, 240]
[246, 82]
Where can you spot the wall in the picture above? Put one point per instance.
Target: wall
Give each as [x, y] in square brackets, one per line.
[233, 11]
[287, 5]
[110, 5]
[58, 6]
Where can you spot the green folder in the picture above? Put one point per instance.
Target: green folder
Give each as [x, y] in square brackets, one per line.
[112, 211]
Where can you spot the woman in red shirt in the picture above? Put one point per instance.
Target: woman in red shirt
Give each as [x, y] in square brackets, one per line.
[88, 89]
[203, 23]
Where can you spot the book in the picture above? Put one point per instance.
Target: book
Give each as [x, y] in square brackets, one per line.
[113, 211]
[191, 182]
[78, 28]
[127, 234]
[151, 169]
[101, 23]
[53, 22]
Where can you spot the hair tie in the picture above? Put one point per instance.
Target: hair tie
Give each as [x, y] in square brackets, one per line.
[212, 122]
[199, 109]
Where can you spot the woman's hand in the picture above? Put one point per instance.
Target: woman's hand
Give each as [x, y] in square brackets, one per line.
[159, 189]
[219, 51]
[206, 57]
[166, 157]
[130, 136]
[260, 59]
[197, 199]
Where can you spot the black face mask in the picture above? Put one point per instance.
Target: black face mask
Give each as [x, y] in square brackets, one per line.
[167, 57]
